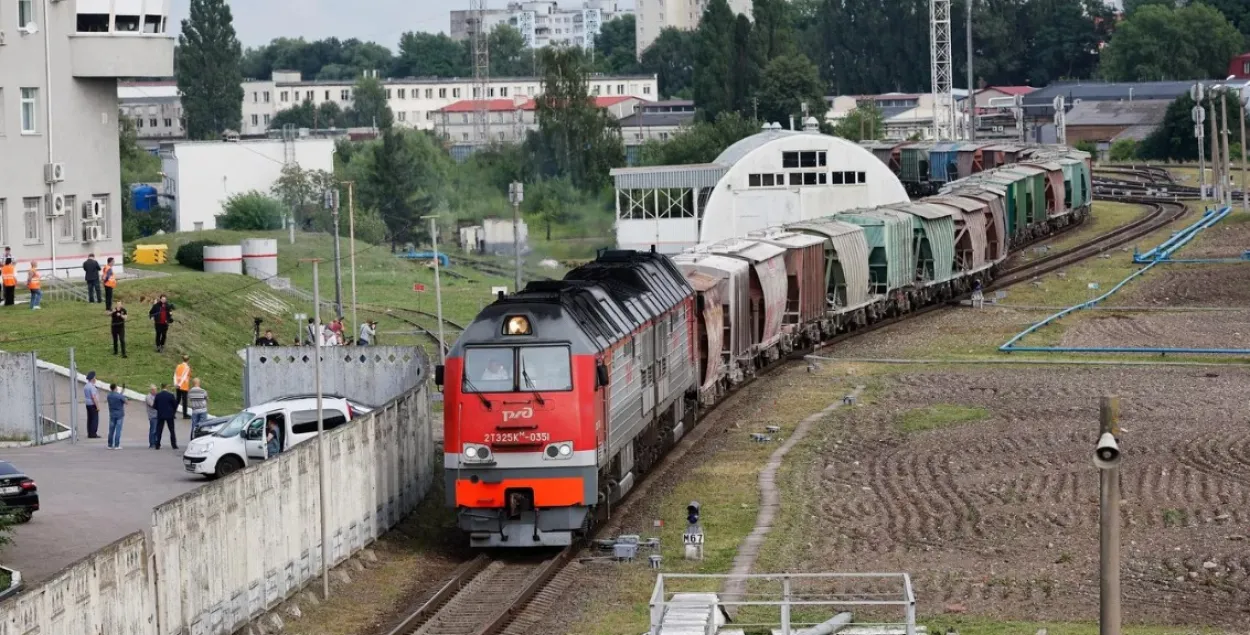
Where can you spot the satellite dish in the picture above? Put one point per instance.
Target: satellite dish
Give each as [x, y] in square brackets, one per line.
[30, 29]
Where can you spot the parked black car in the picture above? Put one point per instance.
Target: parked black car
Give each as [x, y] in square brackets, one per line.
[18, 492]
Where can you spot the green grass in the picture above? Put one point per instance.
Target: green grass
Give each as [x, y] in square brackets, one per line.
[1104, 217]
[983, 626]
[938, 416]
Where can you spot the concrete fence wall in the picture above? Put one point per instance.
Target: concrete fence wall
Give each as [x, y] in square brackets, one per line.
[109, 591]
[19, 398]
[373, 375]
[222, 555]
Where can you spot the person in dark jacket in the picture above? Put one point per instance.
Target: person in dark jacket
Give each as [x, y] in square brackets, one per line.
[118, 323]
[162, 315]
[267, 339]
[166, 409]
[93, 279]
[117, 415]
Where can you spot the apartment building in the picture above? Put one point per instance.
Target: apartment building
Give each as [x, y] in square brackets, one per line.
[510, 120]
[413, 100]
[544, 23]
[155, 109]
[653, 16]
[906, 115]
[60, 174]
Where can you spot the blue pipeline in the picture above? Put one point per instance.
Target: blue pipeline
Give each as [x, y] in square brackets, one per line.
[1182, 237]
[1155, 256]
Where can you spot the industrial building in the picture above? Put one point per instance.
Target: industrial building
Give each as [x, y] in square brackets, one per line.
[495, 237]
[658, 121]
[510, 119]
[905, 115]
[201, 175]
[413, 100]
[653, 16]
[768, 179]
[60, 175]
[544, 23]
[155, 109]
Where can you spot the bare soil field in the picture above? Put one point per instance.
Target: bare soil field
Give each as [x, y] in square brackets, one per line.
[1191, 285]
[997, 517]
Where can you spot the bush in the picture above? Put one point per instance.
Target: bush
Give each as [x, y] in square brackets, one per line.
[370, 227]
[1124, 150]
[252, 211]
[191, 255]
[1088, 147]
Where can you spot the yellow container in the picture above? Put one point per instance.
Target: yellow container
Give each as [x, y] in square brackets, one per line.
[151, 254]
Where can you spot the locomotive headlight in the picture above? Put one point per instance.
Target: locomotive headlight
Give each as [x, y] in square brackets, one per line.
[474, 453]
[559, 451]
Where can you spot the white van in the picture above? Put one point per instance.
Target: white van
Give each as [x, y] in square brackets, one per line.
[243, 438]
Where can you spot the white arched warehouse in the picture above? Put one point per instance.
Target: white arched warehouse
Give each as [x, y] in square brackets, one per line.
[768, 179]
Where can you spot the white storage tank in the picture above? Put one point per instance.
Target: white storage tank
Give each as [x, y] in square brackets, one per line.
[261, 257]
[223, 259]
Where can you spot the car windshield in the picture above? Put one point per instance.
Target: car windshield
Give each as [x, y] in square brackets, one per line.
[235, 425]
[523, 369]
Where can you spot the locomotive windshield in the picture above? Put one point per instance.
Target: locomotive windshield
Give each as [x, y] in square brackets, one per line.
[517, 369]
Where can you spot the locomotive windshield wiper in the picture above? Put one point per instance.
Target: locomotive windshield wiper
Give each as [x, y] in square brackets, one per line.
[526, 377]
[485, 401]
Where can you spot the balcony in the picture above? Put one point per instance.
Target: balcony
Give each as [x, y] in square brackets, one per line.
[103, 55]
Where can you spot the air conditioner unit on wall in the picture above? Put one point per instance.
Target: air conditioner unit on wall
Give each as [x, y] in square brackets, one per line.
[1, 38]
[91, 233]
[56, 205]
[93, 209]
[53, 173]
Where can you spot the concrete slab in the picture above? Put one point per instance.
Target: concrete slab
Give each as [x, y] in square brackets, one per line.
[89, 495]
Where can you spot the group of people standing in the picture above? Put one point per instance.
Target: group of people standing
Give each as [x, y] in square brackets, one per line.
[333, 334]
[162, 407]
[8, 277]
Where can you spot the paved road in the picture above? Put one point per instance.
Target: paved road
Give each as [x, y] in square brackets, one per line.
[89, 495]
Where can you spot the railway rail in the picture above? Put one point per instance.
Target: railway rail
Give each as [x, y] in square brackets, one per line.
[487, 594]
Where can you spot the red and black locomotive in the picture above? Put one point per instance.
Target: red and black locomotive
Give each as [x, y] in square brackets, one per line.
[558, 397]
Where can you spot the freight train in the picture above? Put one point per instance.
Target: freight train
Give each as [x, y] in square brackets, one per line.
[560, 397]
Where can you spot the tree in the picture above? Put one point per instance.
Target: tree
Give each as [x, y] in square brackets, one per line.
[401, 176]
[773, 34]
[701, 143]
[864, 122]
[303, 115]
[787, 85]
[744, 69]
[251, 211]
[509, 56]
[575, 138]
[713, 85]
[302, 193]
[1123, 150]
[369, 104]
[1174, 139]
[209, 70]
[615, 46]
[1065, 40]
[671, 58]
[431, 55]
[1131, 6]
[1157, 43]
[138, 166]
[550, 201]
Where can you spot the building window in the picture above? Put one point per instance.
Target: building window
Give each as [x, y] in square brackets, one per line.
[646, 90]
[455, 93]
[139, 123]
[796, 178]
[30, 219]
[403, 93]
[620, 89]
[169, 123]
[503, 91]
[266, 97]
[30, 103]
[25, 12]
[809, 178]
[402, 115]
[789, 159]
[255, 120]
[255, 97]
[466, 136]
[285, 96]
[152, 122]
[345, 94]
[388, 93]
[308, 95]
[327, 95]
[848, 178]
[863, 177]
[267, 120]
[835, 178]
[429, 93]
[753, 180]
[442, 93]
[69, 222]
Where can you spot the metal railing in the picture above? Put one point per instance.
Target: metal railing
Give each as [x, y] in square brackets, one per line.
[796, 598]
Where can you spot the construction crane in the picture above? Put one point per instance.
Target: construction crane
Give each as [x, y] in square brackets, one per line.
[481, 73]
[944, 120]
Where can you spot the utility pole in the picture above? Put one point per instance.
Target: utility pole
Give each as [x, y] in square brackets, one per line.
[1200, 117]
[438, 288]
[940, 70]
[332, 202]
[1217, 191]
[321, 436]
[972, 102]
[351, 236]
[1242, 98]
[1228, 178]
[516, 195]
[1107, 460]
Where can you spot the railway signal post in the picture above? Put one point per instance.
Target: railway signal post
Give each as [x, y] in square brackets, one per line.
[1107, 460]
[516, 195]
[692, 539]
[1200, 117]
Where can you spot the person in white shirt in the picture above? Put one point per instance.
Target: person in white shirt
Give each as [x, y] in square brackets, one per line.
[496, 371]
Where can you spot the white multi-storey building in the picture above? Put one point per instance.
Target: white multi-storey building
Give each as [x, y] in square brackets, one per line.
[413, 100]
[60, 172]
[653, 16]
[543, 22]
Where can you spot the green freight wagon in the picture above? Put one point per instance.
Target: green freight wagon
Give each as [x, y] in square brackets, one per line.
[933, 242]
[890, 258]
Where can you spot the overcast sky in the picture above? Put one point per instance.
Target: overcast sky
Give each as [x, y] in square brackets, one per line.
[382, 21]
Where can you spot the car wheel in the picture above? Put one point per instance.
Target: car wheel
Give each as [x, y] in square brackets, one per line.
[24, 516]
[228, 465]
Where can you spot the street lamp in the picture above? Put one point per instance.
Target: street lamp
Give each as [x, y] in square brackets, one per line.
[321, 437]
[438, 287]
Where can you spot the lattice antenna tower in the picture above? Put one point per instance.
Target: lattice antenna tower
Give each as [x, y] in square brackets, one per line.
[481, 72]
[940, 54]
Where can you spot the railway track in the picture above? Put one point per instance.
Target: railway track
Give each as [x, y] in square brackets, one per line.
[431, 334]
[486, 595]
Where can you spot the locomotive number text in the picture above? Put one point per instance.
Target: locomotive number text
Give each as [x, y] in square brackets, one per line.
[518, 437]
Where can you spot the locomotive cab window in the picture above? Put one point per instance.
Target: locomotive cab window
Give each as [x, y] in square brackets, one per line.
[519, 369]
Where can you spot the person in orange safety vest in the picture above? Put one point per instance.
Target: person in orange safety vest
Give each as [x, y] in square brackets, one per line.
[8, 275]
[182, 385]
[34, 285]
[110, 282]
